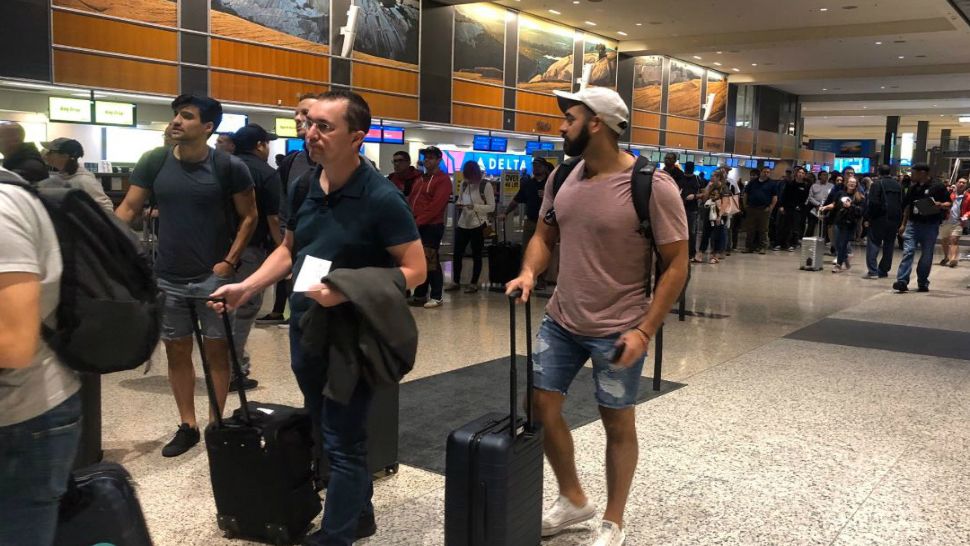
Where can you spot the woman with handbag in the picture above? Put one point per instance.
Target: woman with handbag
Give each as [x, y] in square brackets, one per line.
[476, 203]
[721, 205]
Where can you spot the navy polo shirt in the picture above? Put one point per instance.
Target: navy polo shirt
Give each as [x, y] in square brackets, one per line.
[352, 226]
[760, 193]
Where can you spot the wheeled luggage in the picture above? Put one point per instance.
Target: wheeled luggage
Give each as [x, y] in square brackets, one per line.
[100, 507]
[259, 462]
[504, 260]
[813, 251]
[493, 472]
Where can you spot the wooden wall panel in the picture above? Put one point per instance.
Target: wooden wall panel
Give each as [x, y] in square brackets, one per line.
[646, 119]
[391, 106]
[259, 90]
[714, 144]
[769, 144]
[744, 141]
[677, 140]
[646, 136]
[369, 76]
[471, 116]
[111, 73]
[807, 156]
[475, 93]
[268, 60]
[681, 125]
[715, 130]
[149, 11]
[546, 125]
[71, 29]
[540, 104]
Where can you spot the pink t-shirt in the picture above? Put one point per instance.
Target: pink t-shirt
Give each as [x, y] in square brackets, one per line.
[603, 259]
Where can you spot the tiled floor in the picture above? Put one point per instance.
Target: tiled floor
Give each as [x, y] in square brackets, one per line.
[772, 441]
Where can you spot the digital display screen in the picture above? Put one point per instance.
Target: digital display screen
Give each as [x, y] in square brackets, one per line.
[114, 113]
[294, 145]
[535, 145]
[393, 135]
[70, 110]
[482, 143]
[232, 123]
[859, 164]
[499, 144]
[286, 127]
[374, 135]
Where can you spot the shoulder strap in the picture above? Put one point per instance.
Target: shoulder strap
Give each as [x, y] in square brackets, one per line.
[481, 191]
[562, 172]
[154, 161]
[14, 180]
[222, 167]
[300, 190]
[642, 187]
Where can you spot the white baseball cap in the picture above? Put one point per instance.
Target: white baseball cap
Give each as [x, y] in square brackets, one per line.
[604, 102]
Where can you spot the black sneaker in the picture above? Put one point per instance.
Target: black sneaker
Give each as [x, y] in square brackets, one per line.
[900, 286]
[185, 439]
[271, 318]
[776, 248]
[246, 384]
[923, 289]
[366, 527]
[417, 302]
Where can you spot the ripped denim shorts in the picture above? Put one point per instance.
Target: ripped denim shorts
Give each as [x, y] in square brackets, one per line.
[560, 354]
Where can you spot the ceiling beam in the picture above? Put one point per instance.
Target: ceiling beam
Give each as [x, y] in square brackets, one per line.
[782, 77]
[886, 96]
[764, 39]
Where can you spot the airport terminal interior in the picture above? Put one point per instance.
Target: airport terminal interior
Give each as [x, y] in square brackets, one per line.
[797, 392]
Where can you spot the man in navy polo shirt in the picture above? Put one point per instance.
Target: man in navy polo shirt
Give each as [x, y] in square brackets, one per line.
[354, 218]
[760, 198]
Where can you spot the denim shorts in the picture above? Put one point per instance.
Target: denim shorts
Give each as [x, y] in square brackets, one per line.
[560, 354]
[176, 320]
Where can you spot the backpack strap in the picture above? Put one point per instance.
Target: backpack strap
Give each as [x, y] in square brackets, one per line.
[642, 186]
[301, 188]
[222, 169]
[154, 161]
[562, 172]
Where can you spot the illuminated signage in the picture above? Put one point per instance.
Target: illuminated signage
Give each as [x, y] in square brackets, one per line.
[70, 110]
[286, 127]
[492, 164]
[114, 113]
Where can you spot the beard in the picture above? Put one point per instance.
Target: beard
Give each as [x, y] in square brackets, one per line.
[576, 147]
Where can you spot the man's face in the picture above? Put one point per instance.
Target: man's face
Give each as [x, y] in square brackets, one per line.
[921, 177]
[329, 137]
[225, 143]
[575, 130]
[754, 175]
[262, 151]
[9, 141]
[187, 125]
[849, 173]
[299, 115]
[961, 185]
[823, 177]
[670, 160]
[765, 174]
[432, 163]
[401, 163]
[800, 176]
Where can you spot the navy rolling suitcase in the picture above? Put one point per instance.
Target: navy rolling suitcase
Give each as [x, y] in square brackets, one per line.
[100, 507]
[259, 462]
[493, 472]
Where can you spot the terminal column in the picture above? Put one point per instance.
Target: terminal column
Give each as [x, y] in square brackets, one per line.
[889, 148]
[922, 133]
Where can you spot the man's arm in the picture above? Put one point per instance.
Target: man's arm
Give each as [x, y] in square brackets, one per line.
[245, 205]
[536, 260]
[133, 204]
[274, 229]
[669, 285]
[19, 319]
[276, 267]
[410, 257]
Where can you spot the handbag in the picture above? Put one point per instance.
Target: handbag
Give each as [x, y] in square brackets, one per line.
[729, 205]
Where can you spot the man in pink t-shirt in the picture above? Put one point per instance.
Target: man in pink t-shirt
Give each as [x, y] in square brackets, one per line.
[600, 301]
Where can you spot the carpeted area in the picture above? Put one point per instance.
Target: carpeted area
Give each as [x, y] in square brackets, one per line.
[888, 337]
[432, 407]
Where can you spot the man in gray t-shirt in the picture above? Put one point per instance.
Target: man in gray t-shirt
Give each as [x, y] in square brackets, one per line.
[199, 248]
[40, 410]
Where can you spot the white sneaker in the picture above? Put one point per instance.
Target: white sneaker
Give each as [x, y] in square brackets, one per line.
[565, 514]
[610, 535]
[432, 304]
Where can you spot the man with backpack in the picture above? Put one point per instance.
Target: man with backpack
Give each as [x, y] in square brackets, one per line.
[602, 303]
[40, 409]
[207, 214]
[884, 212]
[252, 147]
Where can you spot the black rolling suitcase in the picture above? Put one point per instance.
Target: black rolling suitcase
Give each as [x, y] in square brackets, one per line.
[100, 507]
[504, 260]
[259, 462]
[493, 473]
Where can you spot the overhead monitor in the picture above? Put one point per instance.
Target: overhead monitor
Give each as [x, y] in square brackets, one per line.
[393, 135]
[294, 145]
[286, 127]
[69, 110]
[482, 143]
[499, 144]
[121, 114]
[232, 123]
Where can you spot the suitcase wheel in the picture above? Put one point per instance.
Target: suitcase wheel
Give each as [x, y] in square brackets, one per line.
[278, 535]
[392, 469]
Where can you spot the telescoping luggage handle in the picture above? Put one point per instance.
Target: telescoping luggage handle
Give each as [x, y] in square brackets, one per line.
[513, 368]
[233, 357]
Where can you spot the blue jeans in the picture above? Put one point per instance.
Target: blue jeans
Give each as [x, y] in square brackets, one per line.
[843, 236]
[924, 236]
[882, 236]
[344, 429]
[35, 462]
[560, 354]
[176, 319]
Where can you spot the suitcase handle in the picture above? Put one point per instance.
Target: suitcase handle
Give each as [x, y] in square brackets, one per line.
[233, 357]
[513, 368]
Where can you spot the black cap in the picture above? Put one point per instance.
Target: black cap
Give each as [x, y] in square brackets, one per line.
[66, 146]
[248, 137]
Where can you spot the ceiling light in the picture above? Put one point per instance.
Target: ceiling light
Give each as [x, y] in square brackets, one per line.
[717, 64]
[882, 87]
[754, 64]
[825, 89]
[696, 57]
[902, 56]
[621, 33]
[575, 1]
[823, 9]
[865, 107]
[590, 23]
[720, 52]
[963, 119]
[554, 12]
[736, 69]
[639, 24]
[878, 43]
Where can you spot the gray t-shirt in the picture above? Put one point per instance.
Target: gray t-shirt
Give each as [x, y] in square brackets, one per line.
[193, 229]
[84, 180]
[29, 245]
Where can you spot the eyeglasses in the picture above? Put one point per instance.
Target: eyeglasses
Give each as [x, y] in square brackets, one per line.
[321, 126]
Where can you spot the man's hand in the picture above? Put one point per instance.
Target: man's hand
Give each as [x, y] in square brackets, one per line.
[235, 295]
[525, 283]
[326, 295]
[223, 270]
[634, 347]
[902, 229]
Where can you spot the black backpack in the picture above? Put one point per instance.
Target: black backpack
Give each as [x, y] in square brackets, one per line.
[109, 315]
[641, 184]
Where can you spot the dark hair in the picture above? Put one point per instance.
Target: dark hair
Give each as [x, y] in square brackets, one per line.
[358, 112]
[885, 170]
[210, 110]
[403, 153]
[471, 168]
[306, 96]
[71, 166]
[755, 171]
[671, 154]
[922, 167]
